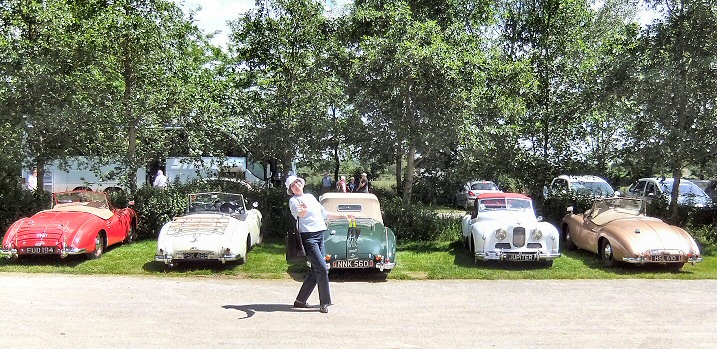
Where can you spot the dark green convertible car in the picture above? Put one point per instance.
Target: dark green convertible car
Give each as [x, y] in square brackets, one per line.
[363, 244]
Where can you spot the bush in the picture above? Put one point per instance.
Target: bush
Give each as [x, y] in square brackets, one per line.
[554, 207]
[418, 223]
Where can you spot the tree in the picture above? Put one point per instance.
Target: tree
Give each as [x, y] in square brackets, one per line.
[408, 84]
[284, 88]
[677, 89]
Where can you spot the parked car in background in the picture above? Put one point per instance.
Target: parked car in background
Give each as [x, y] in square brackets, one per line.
[709, 186]
[467, 194]
[650, 188]
[583, 185]
[217, 227]
[79, 222]
[364, 244]
[618, 230]
[503, 226]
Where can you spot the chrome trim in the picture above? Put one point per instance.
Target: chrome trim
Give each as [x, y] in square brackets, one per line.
[643, 260]
[66, 251]
[8, 253]
[500, 255]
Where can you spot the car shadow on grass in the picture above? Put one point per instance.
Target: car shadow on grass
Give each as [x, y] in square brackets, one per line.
[192, 267]
[592, 261]
[44, 260]
[251, 309]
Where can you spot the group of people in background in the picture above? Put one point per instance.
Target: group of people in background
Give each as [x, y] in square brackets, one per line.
[343, 186]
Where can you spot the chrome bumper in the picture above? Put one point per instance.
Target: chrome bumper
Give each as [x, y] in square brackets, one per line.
[168, 259]
[8, 253]
[71, 251]
[501, 256]
[643, 260]
[380, 266]
[64, 252]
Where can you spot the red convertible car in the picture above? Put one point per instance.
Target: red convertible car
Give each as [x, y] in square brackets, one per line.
[79, 222]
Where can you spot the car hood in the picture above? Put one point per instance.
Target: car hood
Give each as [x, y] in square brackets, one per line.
[516, 218]
[368, 238]
[650, 233]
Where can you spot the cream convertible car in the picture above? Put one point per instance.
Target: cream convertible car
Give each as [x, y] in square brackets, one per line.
[217, 226]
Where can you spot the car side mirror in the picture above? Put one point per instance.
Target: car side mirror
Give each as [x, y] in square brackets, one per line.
[569, 209]
[254, 204]
[617, 193]
[540, 218]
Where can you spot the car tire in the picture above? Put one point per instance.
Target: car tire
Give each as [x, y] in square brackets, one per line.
[99, 246]
[606, 255]
[569, 244]
[471, 245]
[132, 234]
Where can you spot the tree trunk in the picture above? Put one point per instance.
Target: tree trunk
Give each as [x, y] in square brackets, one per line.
[408, 177]
[674, 208]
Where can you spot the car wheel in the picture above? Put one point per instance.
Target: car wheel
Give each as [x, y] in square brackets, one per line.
[132, 234]
[569, 244]
[99, 246]
[606, 254]
[472, 246]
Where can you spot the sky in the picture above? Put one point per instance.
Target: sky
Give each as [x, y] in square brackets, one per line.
[214, 14]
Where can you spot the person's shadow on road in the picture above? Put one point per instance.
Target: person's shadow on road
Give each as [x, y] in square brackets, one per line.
[251, 309]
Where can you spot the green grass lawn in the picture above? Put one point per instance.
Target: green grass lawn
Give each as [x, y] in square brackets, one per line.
[440, 260]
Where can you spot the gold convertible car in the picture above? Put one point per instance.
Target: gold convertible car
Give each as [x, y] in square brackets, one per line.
[619, 230]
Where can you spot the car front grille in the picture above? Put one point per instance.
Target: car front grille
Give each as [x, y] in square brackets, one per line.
[503, 245]
[518, 236]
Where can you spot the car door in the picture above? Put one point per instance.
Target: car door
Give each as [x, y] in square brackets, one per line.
[588, 234]
[638, 189]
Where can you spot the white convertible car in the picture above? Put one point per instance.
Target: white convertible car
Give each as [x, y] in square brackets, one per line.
[503, 226]
[217, 226]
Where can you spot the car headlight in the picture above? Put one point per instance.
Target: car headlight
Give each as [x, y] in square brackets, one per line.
[537, 234]
[500, 234]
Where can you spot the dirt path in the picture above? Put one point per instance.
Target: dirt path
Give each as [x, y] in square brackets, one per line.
[60, 311]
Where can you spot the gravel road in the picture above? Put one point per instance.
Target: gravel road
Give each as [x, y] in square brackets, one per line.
[65, 311]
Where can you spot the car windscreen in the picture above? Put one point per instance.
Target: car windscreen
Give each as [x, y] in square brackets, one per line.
[81, 197]
[686, 189]
[484, 186]
[504, 204]
[594, 188]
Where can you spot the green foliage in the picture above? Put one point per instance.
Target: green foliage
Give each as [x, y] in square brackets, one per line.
[554, 207]
[418, 223]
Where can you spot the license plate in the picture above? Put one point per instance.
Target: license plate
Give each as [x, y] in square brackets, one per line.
[523, 257]
[665, 258]
[195, 255]
[40, 250]
[359, 263]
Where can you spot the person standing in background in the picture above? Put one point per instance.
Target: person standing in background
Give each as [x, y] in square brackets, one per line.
[326, 183]
[341, 185]
[160, 181]
[32, 180]
[352, 185]
[363, 184]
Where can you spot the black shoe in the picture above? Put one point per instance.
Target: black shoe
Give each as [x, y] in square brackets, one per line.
[324, 308]
[298, 304]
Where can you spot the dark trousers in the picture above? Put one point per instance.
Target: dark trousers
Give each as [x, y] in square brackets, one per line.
[319, 274]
